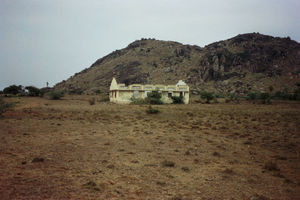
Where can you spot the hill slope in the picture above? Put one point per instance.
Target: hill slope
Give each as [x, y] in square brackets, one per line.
[247, 62]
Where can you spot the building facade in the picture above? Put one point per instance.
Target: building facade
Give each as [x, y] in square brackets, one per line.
[122, 94]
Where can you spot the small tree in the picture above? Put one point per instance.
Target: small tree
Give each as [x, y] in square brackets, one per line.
[252, 97]
[207, 95]
[154, 97]
[271, 88]
[55, 95]
[33, 91]
[177, 99]
[13, 89]
[265, 98]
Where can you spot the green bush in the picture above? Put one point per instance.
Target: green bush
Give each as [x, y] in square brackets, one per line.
[154, 97]
[265, 98]
[4, 106]
[13, 89]
[177, 99]
[252, 97]
[151, 110]
[208, 96]
[55, 95]
[33, 91]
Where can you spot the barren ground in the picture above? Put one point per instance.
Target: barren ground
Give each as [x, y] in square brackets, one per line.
[68, 149]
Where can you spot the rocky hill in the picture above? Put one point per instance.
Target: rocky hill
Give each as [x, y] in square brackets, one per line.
[247, 62]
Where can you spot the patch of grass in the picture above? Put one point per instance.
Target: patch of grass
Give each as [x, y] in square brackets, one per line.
[217, 154]
[91, 185]
[92, 101]
[271, 166]
[167, 163]
[228, 171]
[186, 169]
[151, 110]
[4, 106]
[37, 159]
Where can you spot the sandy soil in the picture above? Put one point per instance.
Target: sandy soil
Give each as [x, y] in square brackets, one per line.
[68, 149]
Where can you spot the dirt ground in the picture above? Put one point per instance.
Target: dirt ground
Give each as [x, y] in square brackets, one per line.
[68, 149]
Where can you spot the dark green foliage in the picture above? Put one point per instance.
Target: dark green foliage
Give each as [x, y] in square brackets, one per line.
[271, 88]
[13, 89]
[232, 97]
[55, 95]
[296, 95]
[177, 99]
[218, 95]
[4, 106]
[154, 97]
[33, 91]
[97, 91]
[253, 96]
[265, 98]
[151, 110]
[208, 96]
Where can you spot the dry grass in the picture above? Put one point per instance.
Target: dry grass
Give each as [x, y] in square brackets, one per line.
[67, 149]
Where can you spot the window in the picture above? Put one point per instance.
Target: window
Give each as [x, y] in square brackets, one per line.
[135, 94]
[170, 94]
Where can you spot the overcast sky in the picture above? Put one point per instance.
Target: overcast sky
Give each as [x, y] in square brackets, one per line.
[50, 40]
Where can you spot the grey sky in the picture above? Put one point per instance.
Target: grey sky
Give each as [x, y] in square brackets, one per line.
[50, 40]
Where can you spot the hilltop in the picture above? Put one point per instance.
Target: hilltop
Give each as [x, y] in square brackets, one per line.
[247, 62]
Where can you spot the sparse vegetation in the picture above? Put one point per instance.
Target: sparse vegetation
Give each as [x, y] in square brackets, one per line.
[121, 147]
[4, 106]
[208, 96]
[167, 163]
[55, 95]
[92, 101]
[177, 99]
[271, 166]
[265, 98]
[252, 97]
[151, 110]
